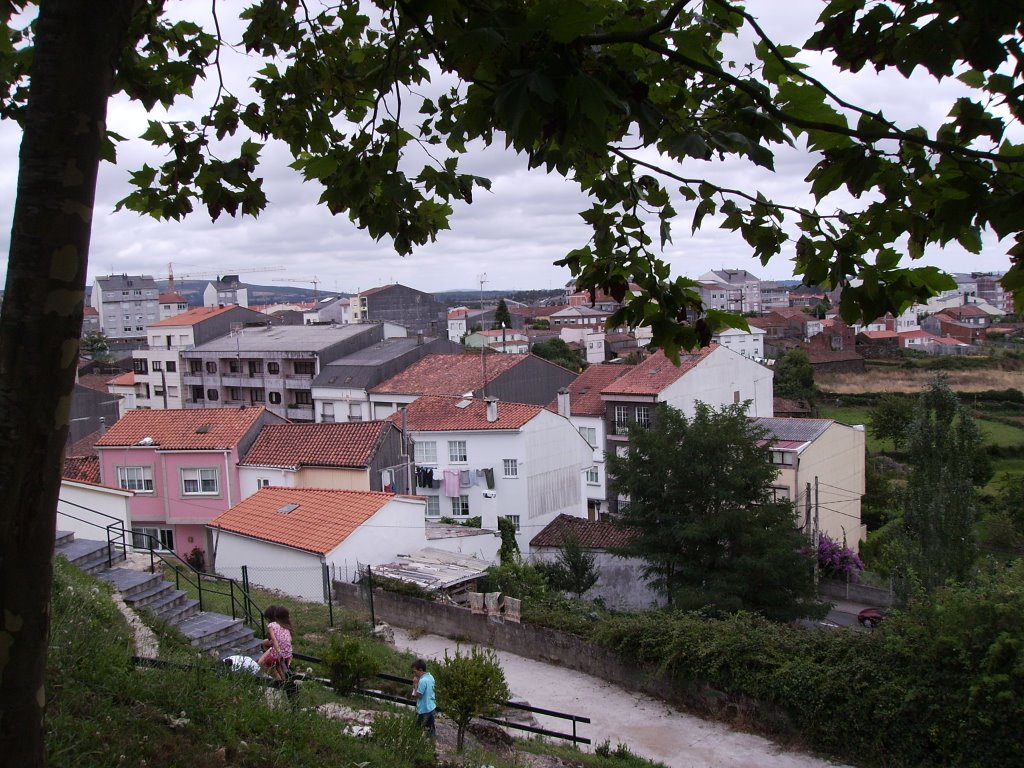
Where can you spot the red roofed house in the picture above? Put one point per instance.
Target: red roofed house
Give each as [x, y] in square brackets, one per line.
[512, 378]
[582, 404]
[714, 375]
[354, 455]
[496, 459]
[182, 466]
[621, 583]
[288, 537]
[172, 303]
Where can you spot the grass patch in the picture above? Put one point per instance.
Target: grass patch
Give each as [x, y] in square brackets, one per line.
[998, 433]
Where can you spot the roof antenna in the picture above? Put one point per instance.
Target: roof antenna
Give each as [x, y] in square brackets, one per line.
[483, 339]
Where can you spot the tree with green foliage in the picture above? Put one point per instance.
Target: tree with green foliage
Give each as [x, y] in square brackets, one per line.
[470, 685]
[576, 569]
[794, 377]
[502, 317]
[508, 552]
[704, 518]
[620, 96]
[560, 353]
[890, 419]
[96, 346]
[936, 539]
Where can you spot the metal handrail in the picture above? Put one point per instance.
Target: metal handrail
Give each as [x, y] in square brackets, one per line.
[242, 604]
[115, 530]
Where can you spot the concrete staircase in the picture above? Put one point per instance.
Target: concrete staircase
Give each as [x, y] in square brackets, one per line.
[143, 591]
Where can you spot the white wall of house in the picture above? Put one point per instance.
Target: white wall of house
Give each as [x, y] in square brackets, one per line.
[747, 343]
[273, 566]
[484, 545]
[86, 509]
[337, 404]
[621, 583]
[549, 456]
[724, 377]
[595, 482]
[593, 343]
[834, 463]
[251, 479]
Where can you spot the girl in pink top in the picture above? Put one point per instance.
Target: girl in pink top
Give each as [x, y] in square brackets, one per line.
[278, 656]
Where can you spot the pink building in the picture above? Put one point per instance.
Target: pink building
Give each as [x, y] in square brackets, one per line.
[182, 466]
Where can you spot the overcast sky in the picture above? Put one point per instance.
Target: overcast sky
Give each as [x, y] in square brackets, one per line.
[512, 234]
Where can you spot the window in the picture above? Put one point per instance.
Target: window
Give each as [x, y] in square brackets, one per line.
[433, 506]
[135, 479]
[275, 397]
[153, 538]
[262, 482]
[426, 452]
[460, 506]
[234, 366]
[211, 366]
[593, 478]
[234, 393]
[273, 368]
[736, 397]
[590, 435]
[780, 493]
[195, 366]
[157, 365]
[140, 365]
[304, 367]
[199, 482]
[515, 521]
[212, 395]
[457, 451]
[643, 416]
[355, 412]
[256, 396]
[172, 366]
[255, 367]
[621, 415]
[327, 412]
[782, 457]
[303, 397]
[511, 467]
[197, 393]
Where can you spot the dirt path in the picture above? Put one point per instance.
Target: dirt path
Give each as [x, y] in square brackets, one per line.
[647, 726]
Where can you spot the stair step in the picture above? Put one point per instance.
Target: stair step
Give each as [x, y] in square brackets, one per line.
[143, 599]
[208, 626]
[238, 639]
[131, 583]
[167, 600]
[65, 537]
[178, 613]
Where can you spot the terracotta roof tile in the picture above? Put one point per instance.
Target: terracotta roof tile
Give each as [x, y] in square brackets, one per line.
[180, 429]
[86, 446]
[320, 521]
[591, 535]
[97, 381]
[447, 374]
[343, 444]
[192, 316]
[585, 390]
[656, 373]
[124, 380]
[82, 468]
[444, 414]
[172, 298]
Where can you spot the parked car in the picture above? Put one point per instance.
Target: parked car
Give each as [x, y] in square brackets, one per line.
[870, 617]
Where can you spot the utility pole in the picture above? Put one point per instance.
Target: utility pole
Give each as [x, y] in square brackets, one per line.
[483, 345]
[817, 532]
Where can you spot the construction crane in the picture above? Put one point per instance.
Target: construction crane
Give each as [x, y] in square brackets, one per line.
[214, 273]
[315, 281]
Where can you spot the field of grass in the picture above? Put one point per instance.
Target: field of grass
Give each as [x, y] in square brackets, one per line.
[894, 379]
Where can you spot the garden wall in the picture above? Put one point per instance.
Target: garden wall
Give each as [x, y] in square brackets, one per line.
[530, 641]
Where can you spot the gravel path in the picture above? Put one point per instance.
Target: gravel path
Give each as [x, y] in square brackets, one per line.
[647, 726]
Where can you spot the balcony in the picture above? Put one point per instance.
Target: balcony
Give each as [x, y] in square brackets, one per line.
[300, 412]
[298, 381]
[621, 428]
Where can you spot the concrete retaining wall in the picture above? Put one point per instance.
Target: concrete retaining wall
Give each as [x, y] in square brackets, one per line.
[856, 593]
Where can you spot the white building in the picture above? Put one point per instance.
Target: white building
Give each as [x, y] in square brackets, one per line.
[331, 309]
[226, 290]
[126, 304]
[732, 290]
[747, 343]
[495, 459]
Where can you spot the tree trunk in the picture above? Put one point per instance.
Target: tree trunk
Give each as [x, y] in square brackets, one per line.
[76, 50]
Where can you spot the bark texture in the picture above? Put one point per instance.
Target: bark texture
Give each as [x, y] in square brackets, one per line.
[76, 49]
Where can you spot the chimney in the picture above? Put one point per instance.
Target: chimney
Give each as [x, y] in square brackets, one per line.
[419, 339]
[492, 409]
[563, 402]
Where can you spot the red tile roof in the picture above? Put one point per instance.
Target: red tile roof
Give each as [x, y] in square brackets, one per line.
[444, 414]
[186, 429]
[124, 380]
[320, 521]
[172, 298]
[97, 381]
[192, 316]
[82, 468]
[378, 289]
[656, 373]
[585, 390]
[591, 535]
[86, 446]
[351, 444]
[87, 310]
[879, 334]
[447, 374]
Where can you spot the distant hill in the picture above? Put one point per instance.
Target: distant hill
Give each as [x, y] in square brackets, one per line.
[192, 290]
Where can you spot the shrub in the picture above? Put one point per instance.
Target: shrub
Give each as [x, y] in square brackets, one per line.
[468, 686]
[197, 559]
[838, 561]
[515, 579]
[352, 661]
[404, 740]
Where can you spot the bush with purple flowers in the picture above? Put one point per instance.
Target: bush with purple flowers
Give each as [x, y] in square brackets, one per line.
[837, 560]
